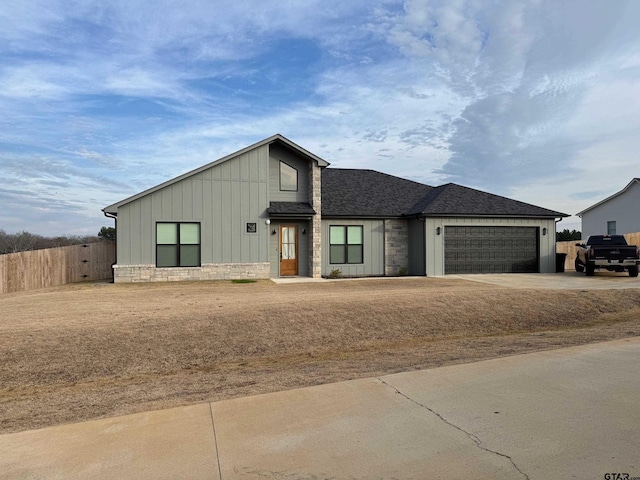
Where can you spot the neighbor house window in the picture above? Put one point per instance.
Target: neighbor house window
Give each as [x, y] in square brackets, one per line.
[611, 228]
[288, 178]
[345, 244]
[177, 244]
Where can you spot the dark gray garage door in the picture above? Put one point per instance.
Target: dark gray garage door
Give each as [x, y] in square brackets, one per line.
[490, 249]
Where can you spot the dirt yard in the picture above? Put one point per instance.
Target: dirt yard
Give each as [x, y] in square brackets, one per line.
[93, 350]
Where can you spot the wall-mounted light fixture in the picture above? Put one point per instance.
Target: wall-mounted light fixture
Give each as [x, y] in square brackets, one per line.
[273, 232]
[267, 222]
[544, 231]
[304, 231]
[438, 230]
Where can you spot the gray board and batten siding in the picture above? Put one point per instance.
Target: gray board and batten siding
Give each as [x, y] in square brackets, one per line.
[436, 243]
[222, 198]
[373, 248]
[279, 154]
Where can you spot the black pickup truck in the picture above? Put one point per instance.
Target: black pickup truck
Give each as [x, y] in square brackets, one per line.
[607, 251]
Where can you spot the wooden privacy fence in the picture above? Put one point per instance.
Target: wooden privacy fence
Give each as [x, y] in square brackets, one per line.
[56, 266]
[571, 250]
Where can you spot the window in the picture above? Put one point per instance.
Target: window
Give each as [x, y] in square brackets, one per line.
[252, 227]
[345, 244]
[611, 228]
[177, 244]
[288, 178]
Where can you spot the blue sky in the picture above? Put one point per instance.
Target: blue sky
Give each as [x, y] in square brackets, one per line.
[538, 100]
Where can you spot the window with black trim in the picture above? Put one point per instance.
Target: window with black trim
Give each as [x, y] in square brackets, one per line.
[288, 178]
[611, 228]
[252, 227]
[346, 244]
[177, 244]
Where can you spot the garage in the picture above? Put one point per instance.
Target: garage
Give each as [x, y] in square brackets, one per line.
[484, 249]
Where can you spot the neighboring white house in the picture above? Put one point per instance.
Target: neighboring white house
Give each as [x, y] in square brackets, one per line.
[615, 215]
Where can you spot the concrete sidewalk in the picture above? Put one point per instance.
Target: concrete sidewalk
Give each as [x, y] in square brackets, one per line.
[570, 413]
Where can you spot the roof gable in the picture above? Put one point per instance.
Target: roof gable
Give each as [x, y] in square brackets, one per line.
[631, 183]
[281, 140]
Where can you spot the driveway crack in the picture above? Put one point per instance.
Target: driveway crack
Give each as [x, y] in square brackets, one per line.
[215, 440]
[470, 435]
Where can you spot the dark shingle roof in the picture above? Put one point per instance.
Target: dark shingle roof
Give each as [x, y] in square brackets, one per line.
[367, 193]
[290, 208]
[452, 199]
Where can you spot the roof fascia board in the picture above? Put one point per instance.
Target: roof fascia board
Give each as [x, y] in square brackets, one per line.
[478, 215]
[267, 141]
[362, 217]
[635, 180]
[299, 149]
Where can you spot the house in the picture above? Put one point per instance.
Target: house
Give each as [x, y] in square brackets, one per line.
[615, 215]
[275, 209]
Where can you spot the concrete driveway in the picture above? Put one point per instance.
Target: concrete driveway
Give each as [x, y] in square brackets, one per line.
[570, 280]
[570, 413]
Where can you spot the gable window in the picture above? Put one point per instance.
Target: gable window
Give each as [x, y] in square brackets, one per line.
[177, 244]
[288, 178]
[611, 228]
[345, 244]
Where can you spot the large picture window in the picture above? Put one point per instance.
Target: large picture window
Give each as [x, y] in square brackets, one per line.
[288, 178]
[345, 244]
[177, 244]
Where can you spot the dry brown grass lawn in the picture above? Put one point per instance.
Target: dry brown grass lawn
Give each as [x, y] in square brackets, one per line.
[92, 350]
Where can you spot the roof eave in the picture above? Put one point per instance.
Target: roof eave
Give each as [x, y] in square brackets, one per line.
[364, 217]
[556, 215]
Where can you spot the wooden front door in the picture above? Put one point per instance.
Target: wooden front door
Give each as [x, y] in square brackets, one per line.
[288, 250]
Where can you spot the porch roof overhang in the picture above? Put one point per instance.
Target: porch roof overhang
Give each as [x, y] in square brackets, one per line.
[290, 210]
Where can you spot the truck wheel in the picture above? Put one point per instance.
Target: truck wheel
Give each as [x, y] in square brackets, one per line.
[589, 270]
[633, 271]
[579, 266]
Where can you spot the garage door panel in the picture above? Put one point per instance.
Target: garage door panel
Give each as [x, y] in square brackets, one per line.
[491, 249]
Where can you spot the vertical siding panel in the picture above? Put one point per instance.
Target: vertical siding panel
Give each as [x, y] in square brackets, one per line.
[244, 201]
[236, 220]
[207, 213]
[245, 171]
[187, 199]
[197, 199]
[146, 236]
[217, 221]
[225, 224]
[234, 172]
[263, 202]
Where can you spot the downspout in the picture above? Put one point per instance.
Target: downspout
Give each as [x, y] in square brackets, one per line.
[115, 221]
[555, 243]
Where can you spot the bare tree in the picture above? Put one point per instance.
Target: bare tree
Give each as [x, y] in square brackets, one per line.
[17, 242]
[23, 241]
